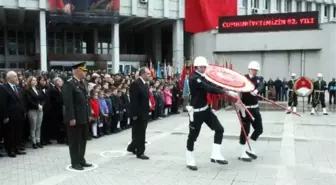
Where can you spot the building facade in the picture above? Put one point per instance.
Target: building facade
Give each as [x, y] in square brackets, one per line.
[304, 52]
[30, 39]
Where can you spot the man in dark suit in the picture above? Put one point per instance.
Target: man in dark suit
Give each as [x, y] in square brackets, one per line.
[139, 109]
[12, 113]
[76, 115]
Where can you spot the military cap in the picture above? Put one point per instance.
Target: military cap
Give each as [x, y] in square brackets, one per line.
[81, 66]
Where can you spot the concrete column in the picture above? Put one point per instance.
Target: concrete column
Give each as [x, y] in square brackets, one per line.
[313, 6]
[294, 8]
[303, 6]
[249, 8]
[43, 41]
[178, 41]
[157, 45]
[273, 6]
[95, 41]
[115, 48]
[331, 9]
[282, 8]
[321, 16]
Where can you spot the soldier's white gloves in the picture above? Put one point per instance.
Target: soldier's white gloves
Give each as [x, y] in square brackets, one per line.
[232, 94]
[241, 109]
[190, 110]
[255, 92]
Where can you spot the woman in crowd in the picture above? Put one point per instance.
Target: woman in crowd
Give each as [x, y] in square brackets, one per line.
[35, 100]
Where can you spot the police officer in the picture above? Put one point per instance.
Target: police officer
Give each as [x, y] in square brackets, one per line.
[200, 111]
[292, 97]
[332, 91]
[76, 115]
[251, 102]
[318, 94]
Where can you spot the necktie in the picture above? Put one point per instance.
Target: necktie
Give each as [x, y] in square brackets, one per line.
[15, 90]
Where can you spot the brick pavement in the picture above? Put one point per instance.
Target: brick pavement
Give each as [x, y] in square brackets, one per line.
[292, 151]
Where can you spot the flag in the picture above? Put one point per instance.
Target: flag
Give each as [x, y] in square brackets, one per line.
[165, 75]
[158, 70]
[182, 77]
[226, 64]
[230, 67]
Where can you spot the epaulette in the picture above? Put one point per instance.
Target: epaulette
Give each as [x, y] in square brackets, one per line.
[69, 79]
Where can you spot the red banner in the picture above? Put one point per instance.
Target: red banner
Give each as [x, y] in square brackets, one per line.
[203, 15]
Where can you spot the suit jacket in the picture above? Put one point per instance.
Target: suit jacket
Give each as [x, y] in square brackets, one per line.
[33, 99]
[75, 100]
[12, 104]
[139, 100]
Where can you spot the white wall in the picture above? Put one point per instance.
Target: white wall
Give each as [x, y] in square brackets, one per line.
[319, 48]
[173, 9]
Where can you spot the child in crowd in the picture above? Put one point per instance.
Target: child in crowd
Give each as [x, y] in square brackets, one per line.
[104, 112]
[152, 103]
[115, 105]
[125, 103]
[168, 99]
[162, 100]
[108, 101]
[121, 108]
[94, 104]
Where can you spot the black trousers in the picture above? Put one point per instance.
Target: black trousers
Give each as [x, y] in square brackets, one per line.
[138, 136]
[13, 131]
[114, 122]
[332, 95]
[278, 95]
[124, 120]
[209, 118]
[77, 136]
[256, 124]
[292, 99]
[318, 97]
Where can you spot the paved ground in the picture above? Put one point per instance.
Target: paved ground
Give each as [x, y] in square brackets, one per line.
[292, 151]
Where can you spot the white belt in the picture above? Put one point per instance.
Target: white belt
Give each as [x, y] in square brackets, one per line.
[252, 106]
[201, 109]
[319, 91]
[191, 111]
[290, 89]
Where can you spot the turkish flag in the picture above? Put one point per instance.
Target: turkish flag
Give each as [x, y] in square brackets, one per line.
[203, 15]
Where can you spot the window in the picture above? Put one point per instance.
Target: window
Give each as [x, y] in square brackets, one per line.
[278, 5]
[267, 4]
[244, 3]
[13, 65]
[83, 45]
[2, 65]
[255, 3]
[326, 11]
[21, 43]
[288, 6]
[299, 6]
[69, 42]
[105, 48]
[30, 43]
[51, 42]
[22, 65]
[318, 7]
[308, 6]
[78, 39]
[334, 12]
[12, 44]
[2, 43]
[59, 42]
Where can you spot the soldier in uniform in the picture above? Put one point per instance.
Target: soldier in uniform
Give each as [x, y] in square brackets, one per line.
[200, 111]
[320, 86]
[251, 102]
[332, 91]
[76, 115]
[292, 97]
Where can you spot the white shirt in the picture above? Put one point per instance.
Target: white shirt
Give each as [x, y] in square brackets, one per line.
[142, 80]
[13, 87]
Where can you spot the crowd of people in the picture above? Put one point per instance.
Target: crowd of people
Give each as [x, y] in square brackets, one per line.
[32, 106]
